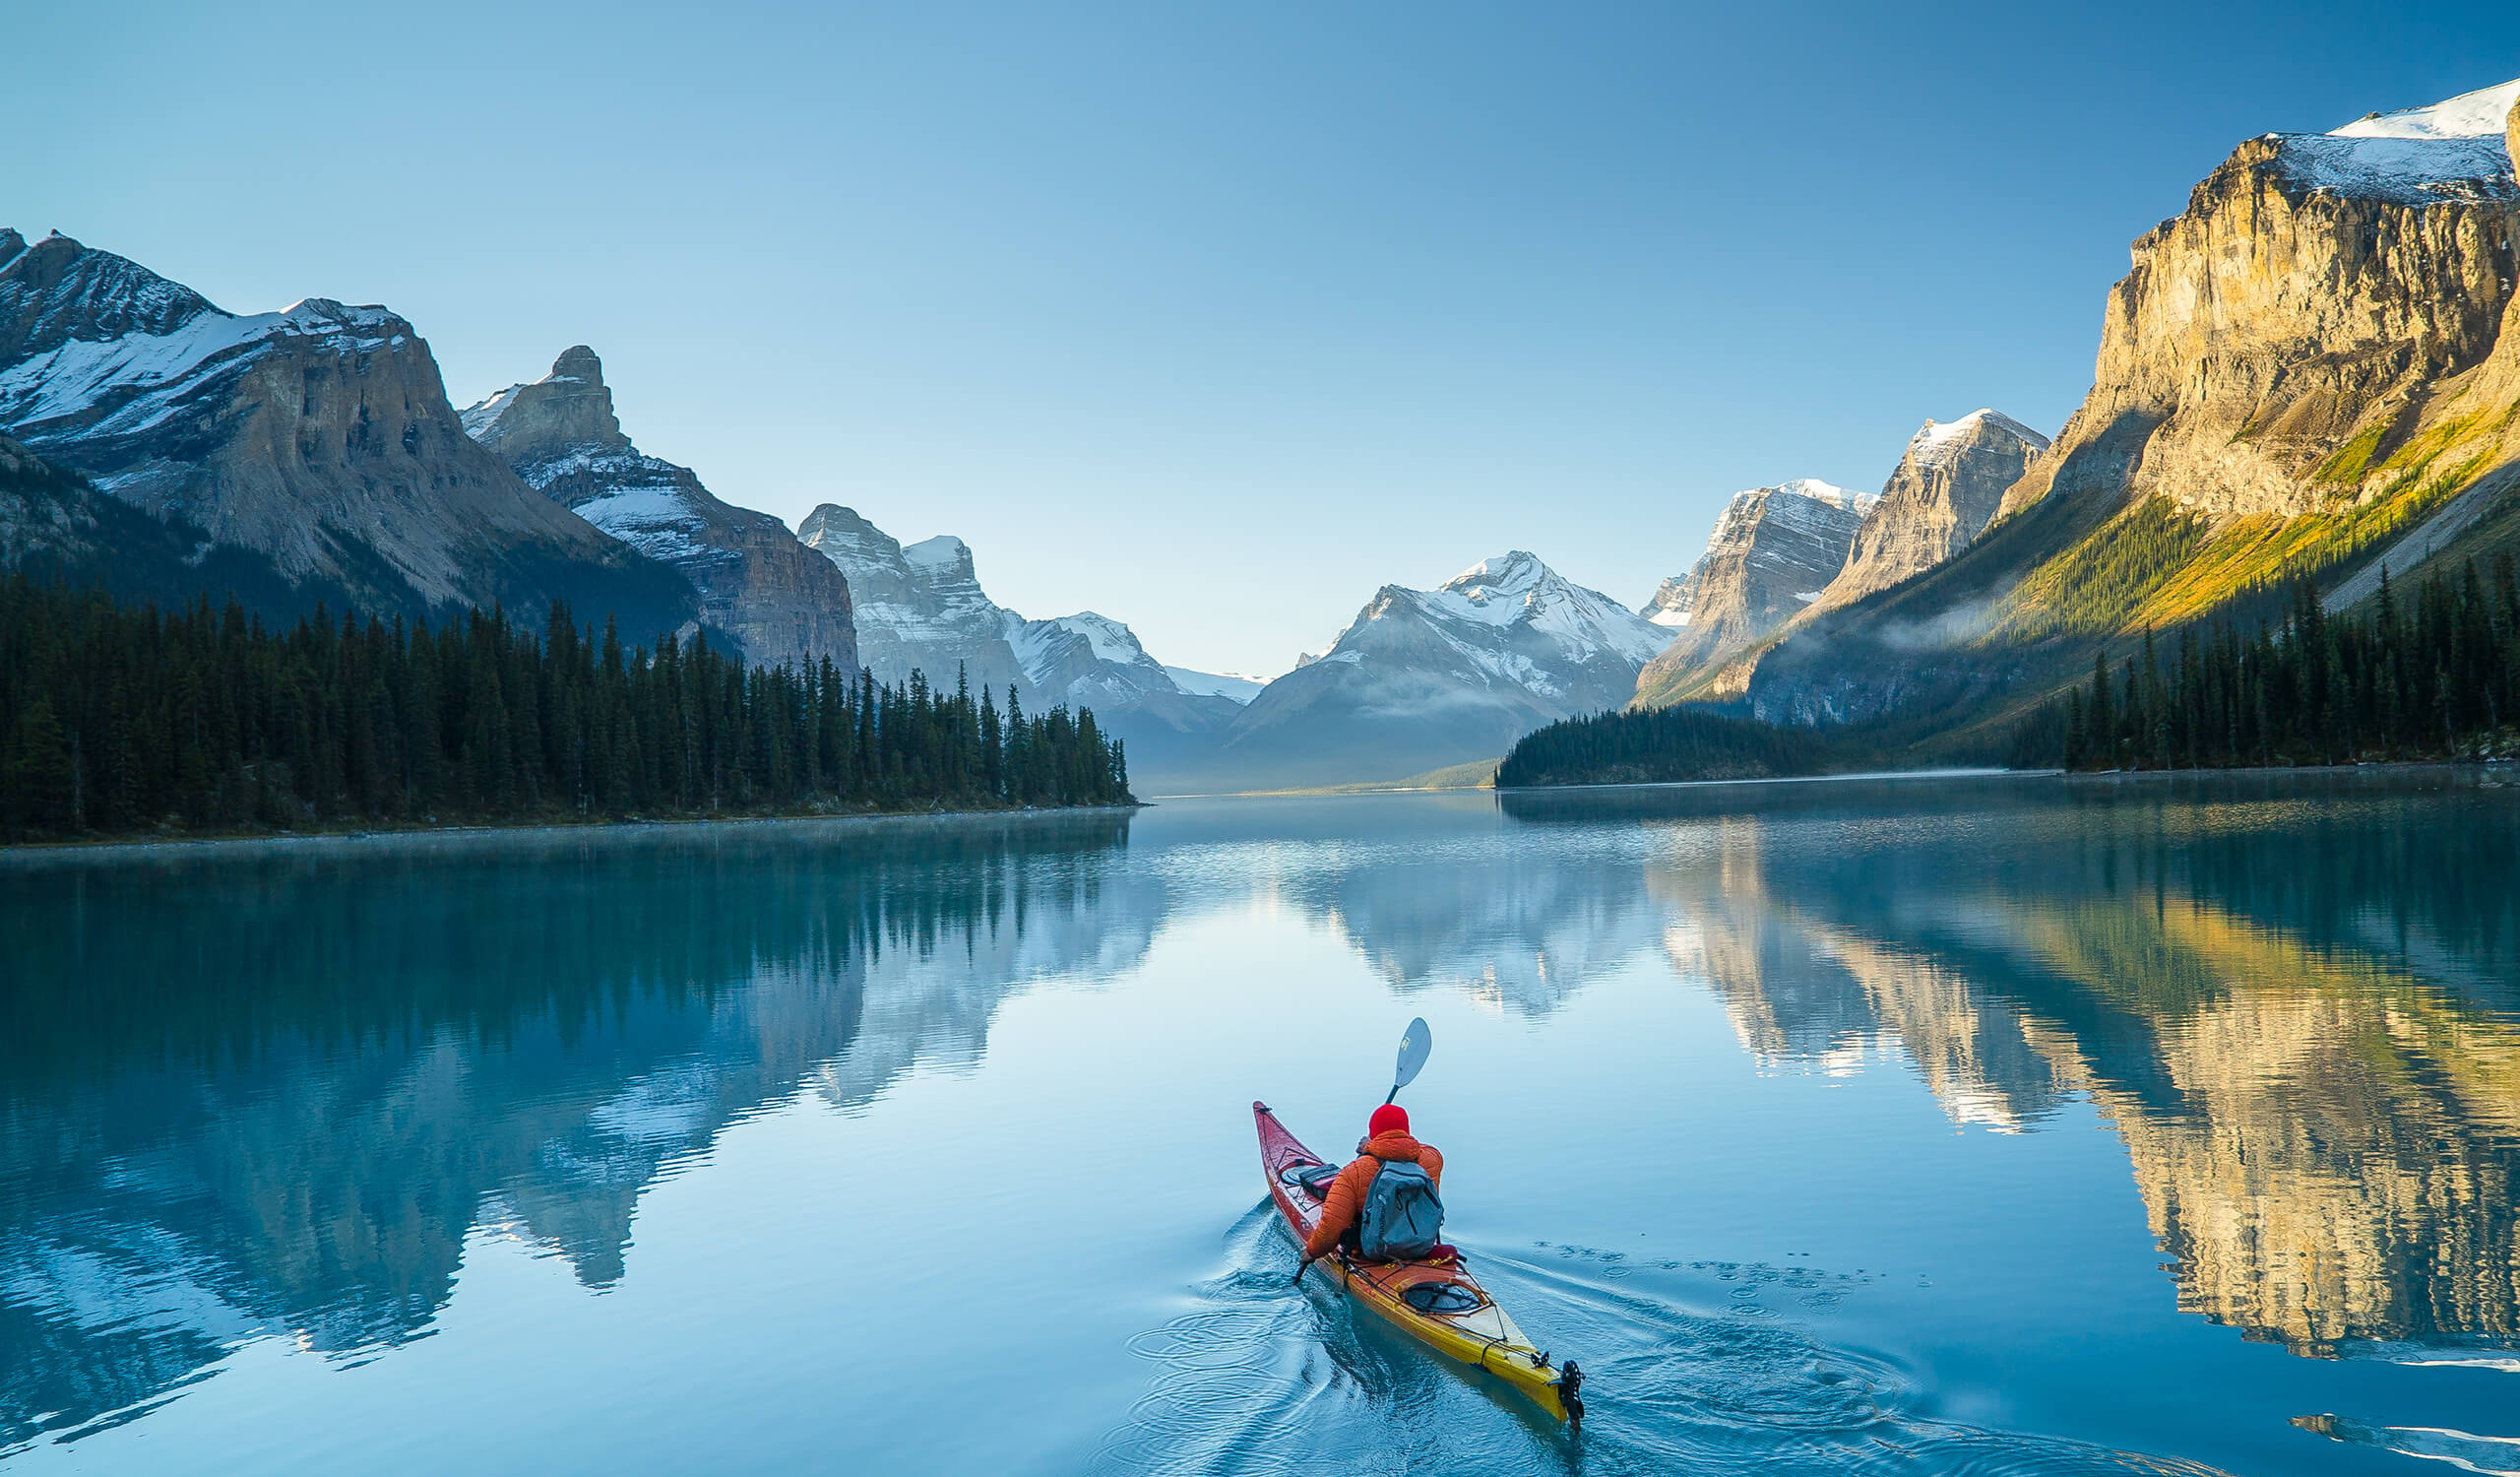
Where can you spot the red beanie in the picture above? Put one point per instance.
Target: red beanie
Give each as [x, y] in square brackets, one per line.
[1389, 1117]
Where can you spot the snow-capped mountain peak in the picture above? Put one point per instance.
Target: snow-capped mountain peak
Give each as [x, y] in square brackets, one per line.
[1936, 442]
[921, 608]
[318, 436]
[944, 551]
[2457, 148]
[562, 436]
[2470, 116]
[1423, 679]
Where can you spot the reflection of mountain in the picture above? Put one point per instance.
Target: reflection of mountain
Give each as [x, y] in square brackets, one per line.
[2300, 1018]
[286, 1099]
[1510, 927]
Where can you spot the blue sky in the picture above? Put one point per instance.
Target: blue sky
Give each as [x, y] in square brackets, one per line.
[1212, 318]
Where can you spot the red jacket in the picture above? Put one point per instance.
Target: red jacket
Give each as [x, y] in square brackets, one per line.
[1347, 1198]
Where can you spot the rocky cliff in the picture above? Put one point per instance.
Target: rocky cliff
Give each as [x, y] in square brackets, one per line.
[2310, 368]
[55, 525]
[919, 608]
[758, 585]
[319, 438]
[1947, 485]
[1772, 553]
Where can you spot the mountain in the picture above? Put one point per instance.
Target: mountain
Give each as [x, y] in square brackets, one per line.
[1945, 488]
[319, 438]
[1226, 684]
[1772, 553]
[780, 605]
[1426, 678]
[2306, 370]
[1674, 599]
[55, 525]
[921, 608]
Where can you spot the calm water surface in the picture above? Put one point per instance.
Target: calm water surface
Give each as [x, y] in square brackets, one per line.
[1998, 1126]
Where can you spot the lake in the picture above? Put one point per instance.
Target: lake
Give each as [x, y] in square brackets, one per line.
[1987, 1126]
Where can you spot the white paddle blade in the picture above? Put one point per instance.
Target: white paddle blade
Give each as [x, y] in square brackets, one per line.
[1414, 1043]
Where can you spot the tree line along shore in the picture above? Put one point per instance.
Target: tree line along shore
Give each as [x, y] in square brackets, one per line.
[2437, 677]
[121, 719]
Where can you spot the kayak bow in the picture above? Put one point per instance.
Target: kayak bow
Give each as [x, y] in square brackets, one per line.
[1438, 1303]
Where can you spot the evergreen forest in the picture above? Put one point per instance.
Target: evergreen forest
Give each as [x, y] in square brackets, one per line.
[120, 720]
[2434, 677]
[1655, 746]
[2437, 677]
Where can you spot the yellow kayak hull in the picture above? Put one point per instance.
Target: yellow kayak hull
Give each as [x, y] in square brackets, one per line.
[1455, 1317]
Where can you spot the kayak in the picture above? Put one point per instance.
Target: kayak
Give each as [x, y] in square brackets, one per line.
[1436, 1302]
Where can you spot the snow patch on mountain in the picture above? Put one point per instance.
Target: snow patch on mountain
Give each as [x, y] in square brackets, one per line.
[1512, 620]
[1939, 441]
[2453, 150]
[1236, 686]
[921, 608]
[562, 437]
[144, 380]
[2487, 111]
[1423, 679]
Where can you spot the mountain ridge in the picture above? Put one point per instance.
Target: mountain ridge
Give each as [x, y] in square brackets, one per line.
[921, 608]
[2303, 371]
[319, 438]
[1772, 553]
[758, 585]
[1423, 679]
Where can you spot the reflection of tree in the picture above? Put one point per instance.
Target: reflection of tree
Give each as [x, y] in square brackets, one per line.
[278, 1093]
[2299, 1019]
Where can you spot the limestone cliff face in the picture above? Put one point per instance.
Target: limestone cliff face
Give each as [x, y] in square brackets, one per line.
[319, 438]
[2295, 306]
[920, 608]
[1947, 485]
[780, 601]
[55, 525]
[1772, 553]
[2316, 355]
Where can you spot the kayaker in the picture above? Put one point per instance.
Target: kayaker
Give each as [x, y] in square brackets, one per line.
[1387, 1142]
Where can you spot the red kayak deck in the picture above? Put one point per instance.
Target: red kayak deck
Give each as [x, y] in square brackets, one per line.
[1436, 1302]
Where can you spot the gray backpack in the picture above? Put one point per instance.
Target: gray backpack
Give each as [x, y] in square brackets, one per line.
[1404, 1217]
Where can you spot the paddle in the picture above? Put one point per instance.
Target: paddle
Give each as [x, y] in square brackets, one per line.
[1414, 1044]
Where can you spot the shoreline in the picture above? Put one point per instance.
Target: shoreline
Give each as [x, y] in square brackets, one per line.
[2069, 776]
[26, 854]
[1790, 779]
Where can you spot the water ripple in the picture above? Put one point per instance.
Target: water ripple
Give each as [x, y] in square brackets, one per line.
[1266, 1378]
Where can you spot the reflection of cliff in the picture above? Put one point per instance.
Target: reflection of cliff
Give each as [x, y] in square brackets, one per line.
[2341, 1162]
[2299, 1020]
[1800, 992]
[282, 1095]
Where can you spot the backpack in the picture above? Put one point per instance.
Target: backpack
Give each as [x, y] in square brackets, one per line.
[1402, 1217]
